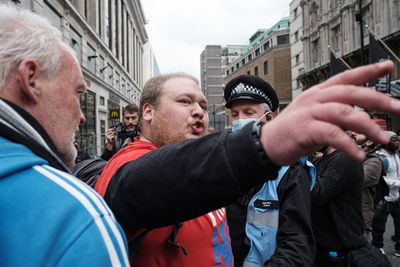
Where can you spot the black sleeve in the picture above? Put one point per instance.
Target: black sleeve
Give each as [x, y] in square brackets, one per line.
[107, 154]
[338, 174]
[295, 238]
[181, 181]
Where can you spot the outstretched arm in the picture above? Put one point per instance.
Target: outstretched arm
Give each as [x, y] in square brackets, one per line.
[318, 116]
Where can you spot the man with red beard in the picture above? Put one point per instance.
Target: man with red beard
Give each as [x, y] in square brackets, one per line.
[173, 109]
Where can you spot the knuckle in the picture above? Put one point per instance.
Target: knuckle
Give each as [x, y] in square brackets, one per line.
[345, 110]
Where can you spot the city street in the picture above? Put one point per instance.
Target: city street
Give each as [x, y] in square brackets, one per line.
[389, 244]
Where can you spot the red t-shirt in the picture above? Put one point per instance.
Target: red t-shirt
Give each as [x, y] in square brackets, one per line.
[205, 238]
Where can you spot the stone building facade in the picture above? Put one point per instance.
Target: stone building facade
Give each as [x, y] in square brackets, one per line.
[332, 23]
[296, 46]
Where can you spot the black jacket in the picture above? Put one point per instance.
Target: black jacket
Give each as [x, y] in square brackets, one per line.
[182, 181]
[295, 239]
[336, 203]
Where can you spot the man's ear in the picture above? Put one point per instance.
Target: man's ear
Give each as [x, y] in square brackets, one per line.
[148, 111]
[270, 115]
[28, 76]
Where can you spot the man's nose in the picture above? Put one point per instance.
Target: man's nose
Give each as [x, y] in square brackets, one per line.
[83, 119]
[198, 110]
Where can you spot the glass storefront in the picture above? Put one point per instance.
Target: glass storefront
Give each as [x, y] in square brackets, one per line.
[86, 136]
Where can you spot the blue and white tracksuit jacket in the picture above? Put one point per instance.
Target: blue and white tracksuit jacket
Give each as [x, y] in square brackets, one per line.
[47, 216]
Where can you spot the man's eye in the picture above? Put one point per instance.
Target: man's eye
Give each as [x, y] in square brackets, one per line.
[184, 101]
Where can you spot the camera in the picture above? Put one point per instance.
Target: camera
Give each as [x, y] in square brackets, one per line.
[123, 133]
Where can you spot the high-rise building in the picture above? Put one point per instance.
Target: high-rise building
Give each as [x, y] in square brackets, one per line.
[268, 57]
[213, 60]
[109, 39]
[296, 46]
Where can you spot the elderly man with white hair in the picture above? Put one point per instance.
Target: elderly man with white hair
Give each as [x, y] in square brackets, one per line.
[48, 217]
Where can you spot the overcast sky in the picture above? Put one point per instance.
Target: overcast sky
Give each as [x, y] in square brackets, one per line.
[179, 30]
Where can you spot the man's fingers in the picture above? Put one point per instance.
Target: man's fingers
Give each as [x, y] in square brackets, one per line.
[346, 117]
[326, 133]
[361, 97]
[360, 75]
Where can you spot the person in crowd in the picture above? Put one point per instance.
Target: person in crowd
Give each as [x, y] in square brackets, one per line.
[34, 97]
[48, 217]
[119, 136]
[81, 154]
[374, 169]
[179, 181]
[390, 203]
[336, 208]
[290, 240]
[173, 109]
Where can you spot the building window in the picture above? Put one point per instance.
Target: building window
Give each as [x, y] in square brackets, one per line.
[227, 72]
[257, 52]
[100, 17]
[116, 30]
[249, 57]
[243, 61]
[295, 12]
[117, 82]
[109, 75]
[266, 46]
[336, 37]
[91, 54]
[87, 130]
[50, 14]
[248, 73]
[297, 59]
[265, 67]
[102, 68]
[314, 13]
[102, 101]
[108, 22]
[315, 50]
[256, 71]
[123, 89]
[366, 18]
[296, 35]
[232, 69]
[283, 39]
[75, 43]
[103, 132]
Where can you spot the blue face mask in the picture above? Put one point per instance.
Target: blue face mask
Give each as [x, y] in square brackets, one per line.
[239, 124]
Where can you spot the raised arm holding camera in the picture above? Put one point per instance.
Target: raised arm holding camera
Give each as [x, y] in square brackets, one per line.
[119, 136]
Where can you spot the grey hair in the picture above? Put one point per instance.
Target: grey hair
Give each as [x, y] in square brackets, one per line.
[265, 108]
[23, 35]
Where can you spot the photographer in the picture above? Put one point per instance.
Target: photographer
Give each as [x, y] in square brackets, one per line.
[122, 134]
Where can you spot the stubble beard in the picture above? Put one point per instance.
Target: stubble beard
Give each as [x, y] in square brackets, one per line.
[161, 134]
[68, 152]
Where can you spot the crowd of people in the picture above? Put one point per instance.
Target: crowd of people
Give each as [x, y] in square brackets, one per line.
[174, 194]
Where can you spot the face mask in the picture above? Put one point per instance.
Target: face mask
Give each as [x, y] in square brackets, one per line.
[239, 124]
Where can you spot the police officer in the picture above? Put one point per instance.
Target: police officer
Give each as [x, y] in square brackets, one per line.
[278, 210]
